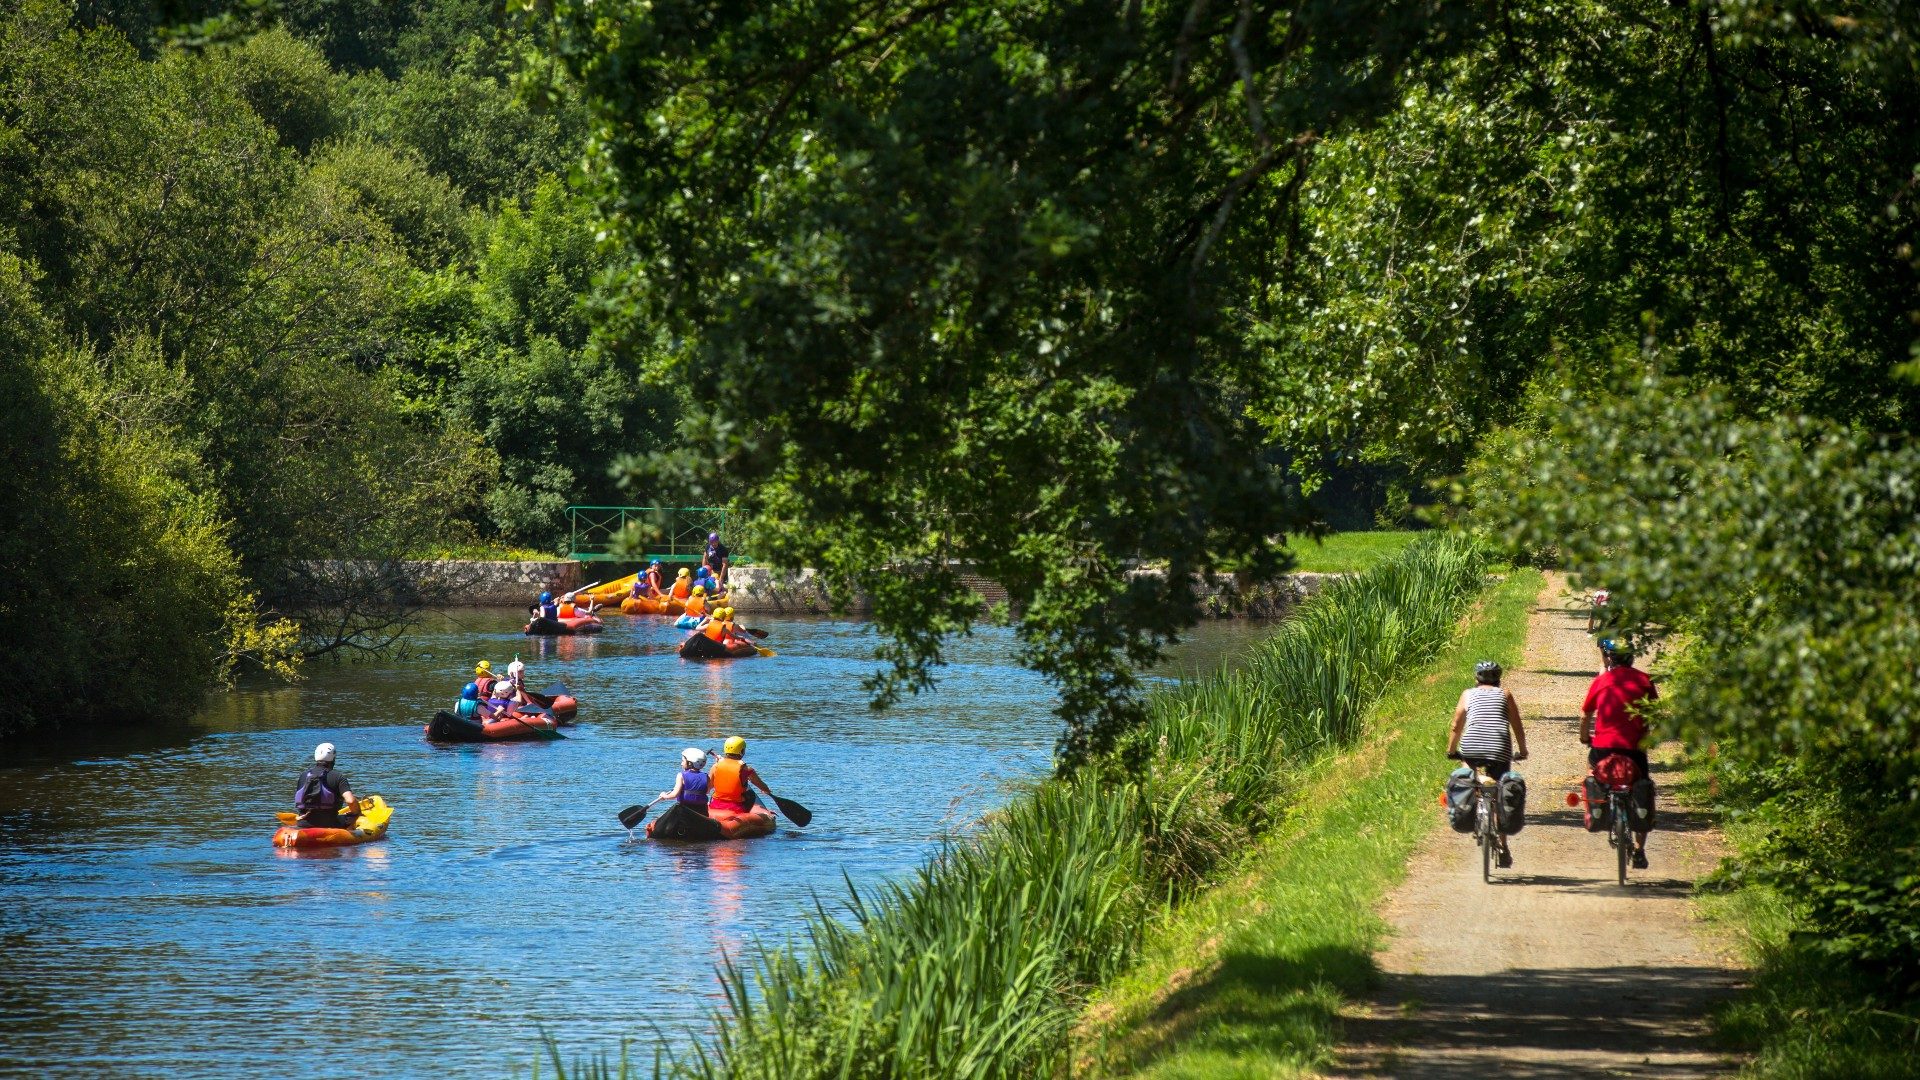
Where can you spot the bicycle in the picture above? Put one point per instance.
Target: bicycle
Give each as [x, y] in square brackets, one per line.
[1486, 821]
[1620, 818]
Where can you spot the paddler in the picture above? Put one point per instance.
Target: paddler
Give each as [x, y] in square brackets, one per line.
[483, 676]
[730, 779]
[691, 784]
[683, 584]
[323, 799]
[697, 603]
[470, 706]
[651, 584]
[546, 608]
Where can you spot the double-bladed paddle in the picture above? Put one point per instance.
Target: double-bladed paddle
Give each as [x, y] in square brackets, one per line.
[634, 815]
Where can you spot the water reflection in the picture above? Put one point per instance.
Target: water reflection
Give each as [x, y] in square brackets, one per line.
[148, 927]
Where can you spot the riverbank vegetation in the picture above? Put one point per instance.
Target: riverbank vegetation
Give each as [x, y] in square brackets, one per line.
[308, 292]
[979, 965]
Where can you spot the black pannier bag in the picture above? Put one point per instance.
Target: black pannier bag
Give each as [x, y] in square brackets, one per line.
[1460, 808]
[1513, 803]
[1641, 799]
[1599, 817]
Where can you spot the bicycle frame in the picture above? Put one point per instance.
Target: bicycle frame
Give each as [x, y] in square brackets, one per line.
[1486, 826]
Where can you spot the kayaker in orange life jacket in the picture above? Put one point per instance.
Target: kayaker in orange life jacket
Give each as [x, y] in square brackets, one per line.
[730, 777]
[683, 585]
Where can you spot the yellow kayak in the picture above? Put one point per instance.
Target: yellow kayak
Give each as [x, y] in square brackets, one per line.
[611, 592]
[371, 825]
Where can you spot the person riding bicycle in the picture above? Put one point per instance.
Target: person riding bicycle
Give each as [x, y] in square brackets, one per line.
[1487, 733]
[1610, 722]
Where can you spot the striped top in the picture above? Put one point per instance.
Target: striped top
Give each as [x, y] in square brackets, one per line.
[1486, 734]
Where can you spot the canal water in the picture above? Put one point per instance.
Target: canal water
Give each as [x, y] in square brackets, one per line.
[148, 928]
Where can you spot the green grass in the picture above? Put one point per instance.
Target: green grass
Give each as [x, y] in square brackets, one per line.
[1805, 1016]
[484, 552]
[1248, 980]
[1350, 552]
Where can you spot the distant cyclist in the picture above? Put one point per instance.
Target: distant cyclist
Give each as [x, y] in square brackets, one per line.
[1487, 733]
[1610, 723]
[1596, 607]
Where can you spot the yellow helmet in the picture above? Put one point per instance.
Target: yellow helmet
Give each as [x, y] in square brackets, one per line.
[684, 572]
[699, 590]
[483, 668]
[734, 745]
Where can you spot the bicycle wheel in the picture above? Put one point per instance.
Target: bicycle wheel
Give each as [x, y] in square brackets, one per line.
[1488, 838]
[1622, 837]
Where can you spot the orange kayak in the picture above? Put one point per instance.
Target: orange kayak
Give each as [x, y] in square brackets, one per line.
[369, 826]
[647, 605]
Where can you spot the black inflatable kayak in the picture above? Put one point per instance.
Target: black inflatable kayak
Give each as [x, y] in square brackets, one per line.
[699, 646]
[446, 727]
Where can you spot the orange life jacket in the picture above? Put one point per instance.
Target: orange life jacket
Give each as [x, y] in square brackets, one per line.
[566, 611]
[715, 629]
[697, 605]
[729, 781]
[682, 588]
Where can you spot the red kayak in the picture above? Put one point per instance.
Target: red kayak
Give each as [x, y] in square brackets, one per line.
[563, 707]
[446, 727]
[680, 823]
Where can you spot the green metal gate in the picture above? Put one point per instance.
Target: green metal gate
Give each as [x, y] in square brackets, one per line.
[668, 533]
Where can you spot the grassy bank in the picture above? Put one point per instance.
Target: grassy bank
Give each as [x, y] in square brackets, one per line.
[1806, 1016]
[1350, 552]
[982, 963]
[1248, 979]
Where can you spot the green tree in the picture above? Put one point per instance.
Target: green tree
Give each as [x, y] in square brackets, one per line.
[965, 284]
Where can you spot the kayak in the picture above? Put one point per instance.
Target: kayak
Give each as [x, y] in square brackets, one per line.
[370, 825]
[688, 622]
[644, 605]
[702, 647]
[680, 823]
[562, 706]
[608, 592]
[446, 727]
[580, 624]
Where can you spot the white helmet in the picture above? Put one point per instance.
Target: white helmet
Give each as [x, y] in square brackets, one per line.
[693, 755]
[323, 752]
[514, 669]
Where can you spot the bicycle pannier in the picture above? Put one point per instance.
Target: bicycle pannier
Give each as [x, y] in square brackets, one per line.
[1641, 799]
[1513, 803]
[1460, 808]
[1598, 816]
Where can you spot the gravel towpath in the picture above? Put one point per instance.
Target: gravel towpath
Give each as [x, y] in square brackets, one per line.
[1553, 970]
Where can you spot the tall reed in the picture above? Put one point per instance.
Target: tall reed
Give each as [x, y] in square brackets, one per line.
[975, 967]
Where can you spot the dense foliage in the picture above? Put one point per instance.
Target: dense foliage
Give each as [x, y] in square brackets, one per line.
[275, 300]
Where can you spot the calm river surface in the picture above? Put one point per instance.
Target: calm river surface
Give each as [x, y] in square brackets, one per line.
[149, 928]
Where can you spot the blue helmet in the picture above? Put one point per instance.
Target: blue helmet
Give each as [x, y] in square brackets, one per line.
[655, 562]
[470, 691]
[546, 598]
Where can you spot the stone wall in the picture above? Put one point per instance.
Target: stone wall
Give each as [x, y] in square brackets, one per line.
[760, 590]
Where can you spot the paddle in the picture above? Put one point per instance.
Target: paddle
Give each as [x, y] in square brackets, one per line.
[634, 815]
[792, 811]
[755, 631]
[555, 691]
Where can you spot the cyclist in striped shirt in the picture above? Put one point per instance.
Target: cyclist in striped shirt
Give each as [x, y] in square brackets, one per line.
[1487, 733]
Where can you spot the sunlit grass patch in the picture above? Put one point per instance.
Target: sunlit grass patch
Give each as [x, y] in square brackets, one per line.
[1349, 552]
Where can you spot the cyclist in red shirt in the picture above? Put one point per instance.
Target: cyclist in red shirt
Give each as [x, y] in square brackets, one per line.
[1610, 720]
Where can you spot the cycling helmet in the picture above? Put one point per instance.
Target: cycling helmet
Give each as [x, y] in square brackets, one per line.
[471, 691]
[1488, 672]
[1617, 651]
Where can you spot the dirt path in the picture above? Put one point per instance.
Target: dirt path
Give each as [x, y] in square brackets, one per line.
[1552, 970]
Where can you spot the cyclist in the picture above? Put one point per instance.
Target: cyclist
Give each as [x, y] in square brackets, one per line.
[1596, 607]
[1610, 723]
[1487, 733]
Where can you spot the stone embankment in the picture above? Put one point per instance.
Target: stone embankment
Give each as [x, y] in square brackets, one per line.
[442, 582]
[759, 590]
